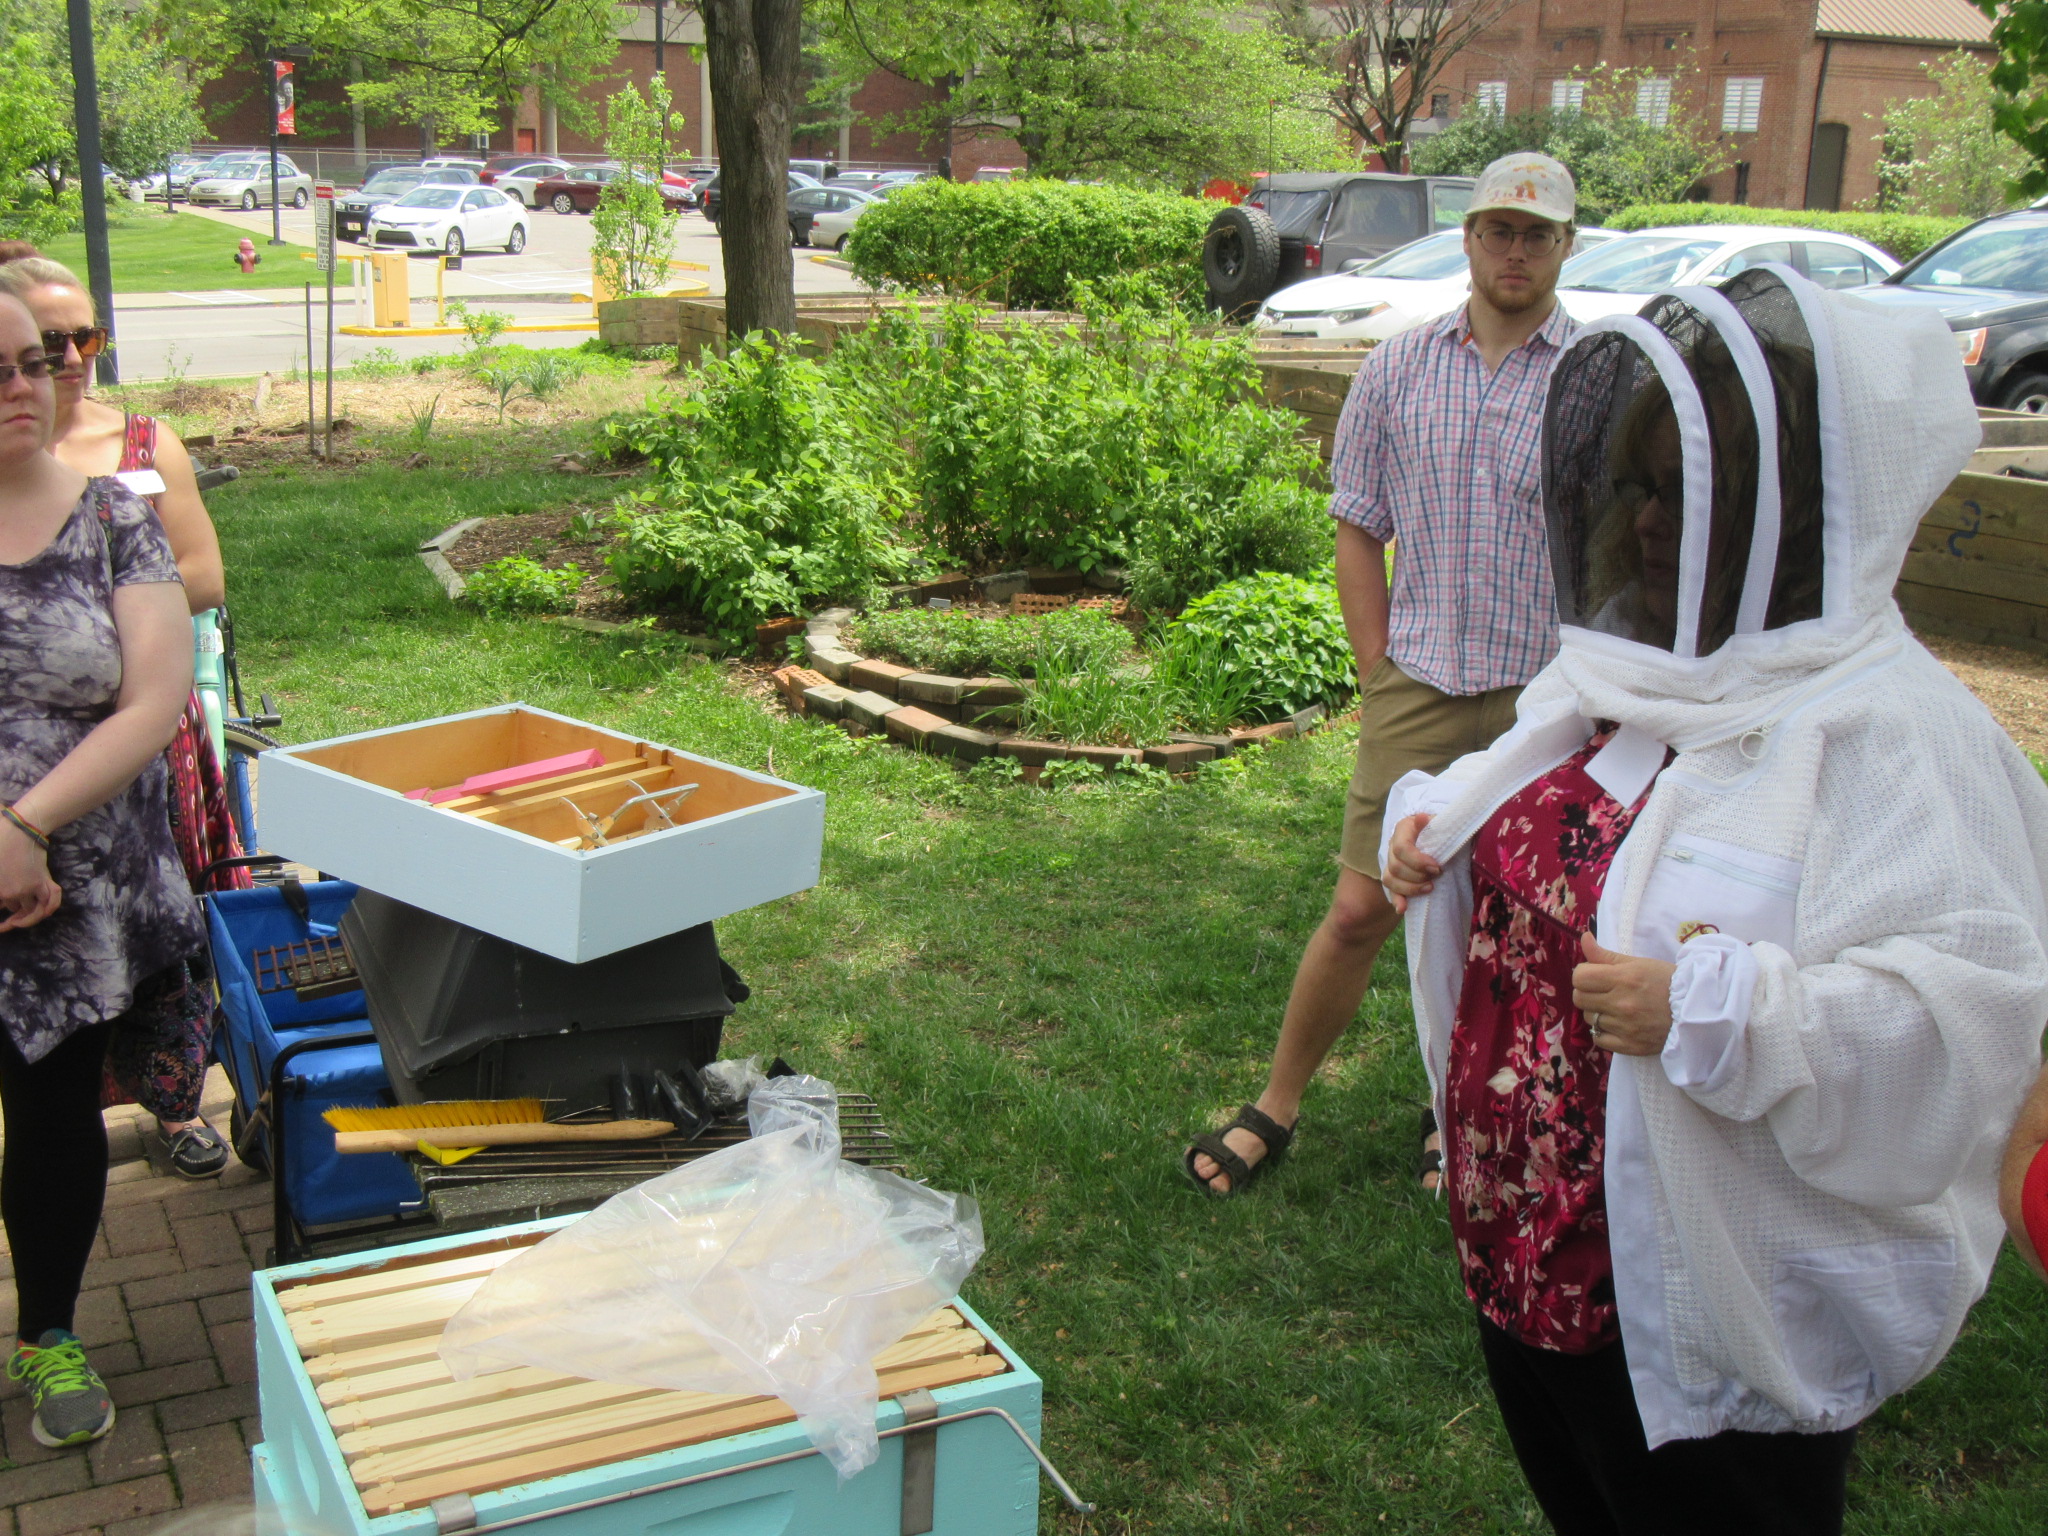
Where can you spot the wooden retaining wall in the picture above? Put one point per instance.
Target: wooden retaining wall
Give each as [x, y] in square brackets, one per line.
[1978, 567]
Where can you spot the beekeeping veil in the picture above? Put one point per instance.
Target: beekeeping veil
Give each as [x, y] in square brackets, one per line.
[1731, 480]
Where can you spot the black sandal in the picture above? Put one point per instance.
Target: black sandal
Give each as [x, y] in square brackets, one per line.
[1276, 1136]
[1428, 1159]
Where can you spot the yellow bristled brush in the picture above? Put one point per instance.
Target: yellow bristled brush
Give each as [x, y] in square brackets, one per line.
[467, 1126]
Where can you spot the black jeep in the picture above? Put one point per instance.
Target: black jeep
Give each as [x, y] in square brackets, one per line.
[1304, 225]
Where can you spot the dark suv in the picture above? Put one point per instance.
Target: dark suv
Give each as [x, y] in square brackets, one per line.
[1989, 281]
[1299, 226]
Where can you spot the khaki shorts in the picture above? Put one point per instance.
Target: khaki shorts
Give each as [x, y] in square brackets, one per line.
[1404, 725]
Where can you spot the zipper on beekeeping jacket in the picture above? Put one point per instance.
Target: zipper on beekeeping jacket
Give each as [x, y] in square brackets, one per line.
[1732, 870]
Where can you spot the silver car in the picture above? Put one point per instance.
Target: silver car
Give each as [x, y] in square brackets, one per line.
[245, 183]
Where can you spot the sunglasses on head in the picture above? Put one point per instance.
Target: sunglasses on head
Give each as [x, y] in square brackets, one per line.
[91, 340]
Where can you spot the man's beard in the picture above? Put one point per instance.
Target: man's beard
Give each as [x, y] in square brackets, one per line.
[1512, 301]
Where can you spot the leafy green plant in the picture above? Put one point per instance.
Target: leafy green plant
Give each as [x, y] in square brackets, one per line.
[1101, 706]
[1027, 244]
[432, 362]
[520, 584]
[481, 326]
[963, 645]
[586, 528]
[380, 363]
[1064, 771]
[1191, 667]
[1280, 638]
[550, 373]
[767, 501]
[423, 419]
[508, 384]
[632, 233]
[1904, 235]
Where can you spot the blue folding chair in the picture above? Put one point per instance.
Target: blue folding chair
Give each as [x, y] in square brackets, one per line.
[289, 1060]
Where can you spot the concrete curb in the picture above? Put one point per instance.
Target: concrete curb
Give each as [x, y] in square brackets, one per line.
[434, 553]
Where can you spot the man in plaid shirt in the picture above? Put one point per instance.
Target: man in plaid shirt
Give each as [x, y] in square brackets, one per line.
[1438, 452]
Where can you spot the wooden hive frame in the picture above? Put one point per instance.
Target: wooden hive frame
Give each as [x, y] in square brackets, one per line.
[410, 1433]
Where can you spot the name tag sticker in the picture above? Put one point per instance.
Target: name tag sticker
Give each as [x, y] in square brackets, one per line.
[143, 482]
[1625, 766]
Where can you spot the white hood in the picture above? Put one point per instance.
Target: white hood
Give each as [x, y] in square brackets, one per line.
[1896, 424]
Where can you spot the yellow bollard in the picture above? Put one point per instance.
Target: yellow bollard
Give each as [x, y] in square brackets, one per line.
[391, 298]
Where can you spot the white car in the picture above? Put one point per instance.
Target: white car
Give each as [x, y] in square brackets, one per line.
[1385, 296]
[519, 181]
[245, 183]
[450, 220]
[1625, 273]
[835, 211]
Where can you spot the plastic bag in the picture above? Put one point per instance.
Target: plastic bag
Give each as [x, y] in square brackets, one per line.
[730, 1083]
[771, 1267]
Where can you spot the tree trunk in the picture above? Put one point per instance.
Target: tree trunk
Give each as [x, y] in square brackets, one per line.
[755, 49]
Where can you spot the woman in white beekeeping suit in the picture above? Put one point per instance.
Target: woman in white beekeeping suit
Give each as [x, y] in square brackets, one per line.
[1728, 958]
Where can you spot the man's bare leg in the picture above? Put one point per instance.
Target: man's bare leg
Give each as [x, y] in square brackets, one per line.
[1329, 984]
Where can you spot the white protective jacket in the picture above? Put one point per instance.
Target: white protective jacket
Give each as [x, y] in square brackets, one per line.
[1801, 1191]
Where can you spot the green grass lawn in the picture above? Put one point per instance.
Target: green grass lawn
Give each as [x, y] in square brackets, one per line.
[153, 252]
[1048, 993]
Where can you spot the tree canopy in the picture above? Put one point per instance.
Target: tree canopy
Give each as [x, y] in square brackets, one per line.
[1944, 153]
[1171, 92]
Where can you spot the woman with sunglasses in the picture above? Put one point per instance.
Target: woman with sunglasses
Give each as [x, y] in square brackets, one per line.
[96, 918]
[159, 1061]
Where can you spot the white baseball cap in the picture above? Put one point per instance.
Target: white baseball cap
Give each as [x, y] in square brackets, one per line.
[1529, 182]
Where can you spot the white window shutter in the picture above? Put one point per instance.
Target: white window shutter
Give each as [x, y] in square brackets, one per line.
[1567, 95]
[1491, 96]
[1742, 102]
[1653, 101]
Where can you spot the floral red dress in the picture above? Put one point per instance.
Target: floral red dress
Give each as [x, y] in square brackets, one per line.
[1526, 1092]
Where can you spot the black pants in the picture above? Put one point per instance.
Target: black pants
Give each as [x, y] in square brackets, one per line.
[1576, 1432]
[53, 1173]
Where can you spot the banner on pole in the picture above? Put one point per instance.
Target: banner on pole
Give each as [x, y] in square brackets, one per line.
[283, 96]
[323, 226]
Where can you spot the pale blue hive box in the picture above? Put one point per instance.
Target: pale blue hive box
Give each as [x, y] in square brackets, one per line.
[985, 1481]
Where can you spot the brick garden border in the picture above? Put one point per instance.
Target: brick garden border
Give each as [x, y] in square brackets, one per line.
[930, 712]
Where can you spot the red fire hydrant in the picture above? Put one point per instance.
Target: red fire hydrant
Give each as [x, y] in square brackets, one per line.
[245, 255]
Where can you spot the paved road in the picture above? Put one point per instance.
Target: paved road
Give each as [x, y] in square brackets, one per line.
[220, 335]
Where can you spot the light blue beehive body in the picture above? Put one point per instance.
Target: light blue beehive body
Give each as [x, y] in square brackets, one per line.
[986, 1483]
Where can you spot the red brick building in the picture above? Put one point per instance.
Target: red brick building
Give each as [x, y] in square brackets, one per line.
[1797, 87]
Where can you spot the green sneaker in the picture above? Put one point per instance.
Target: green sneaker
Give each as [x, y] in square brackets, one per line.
[71, 1402]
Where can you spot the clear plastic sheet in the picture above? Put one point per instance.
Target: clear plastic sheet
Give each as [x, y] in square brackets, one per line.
[771, 1267]
[731, 1083]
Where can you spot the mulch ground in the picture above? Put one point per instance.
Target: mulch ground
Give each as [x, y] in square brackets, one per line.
[2012, 684]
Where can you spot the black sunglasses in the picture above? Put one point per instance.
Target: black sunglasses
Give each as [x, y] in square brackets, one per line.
[28, 368]
[91, 341]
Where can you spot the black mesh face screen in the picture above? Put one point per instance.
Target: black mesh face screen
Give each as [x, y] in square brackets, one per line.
[1618, 454]
[1773, 315]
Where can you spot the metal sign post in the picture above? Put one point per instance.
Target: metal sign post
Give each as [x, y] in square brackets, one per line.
[323, 259]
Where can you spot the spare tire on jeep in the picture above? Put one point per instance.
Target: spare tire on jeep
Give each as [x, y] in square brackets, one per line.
[1240, 260]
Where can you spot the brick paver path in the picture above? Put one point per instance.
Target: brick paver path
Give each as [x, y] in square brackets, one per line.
[165, 1317]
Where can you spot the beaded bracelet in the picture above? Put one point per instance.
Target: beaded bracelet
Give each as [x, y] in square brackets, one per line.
[27, 828]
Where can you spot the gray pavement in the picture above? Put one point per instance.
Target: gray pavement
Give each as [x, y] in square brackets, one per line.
[229, 334]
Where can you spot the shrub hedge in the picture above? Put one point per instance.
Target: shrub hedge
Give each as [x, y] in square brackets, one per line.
[1028, 244]
[1904, 235]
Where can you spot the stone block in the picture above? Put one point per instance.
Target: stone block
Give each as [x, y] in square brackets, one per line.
[1103, 757]
[827, 700]
[912, 726]
[837, 616]
[1306, 720]
[929, 688]
[1004, 585]
[1032, 754]
[1180, 756]
[879, 676]
[990, 690]
[1003, 719]
[1108, 578]
[963, 742]
[835, 663]
[1221, 745]
[868, 709]
[1279, 730]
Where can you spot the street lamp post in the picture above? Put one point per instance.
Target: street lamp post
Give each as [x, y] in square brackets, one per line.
[85, 109]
